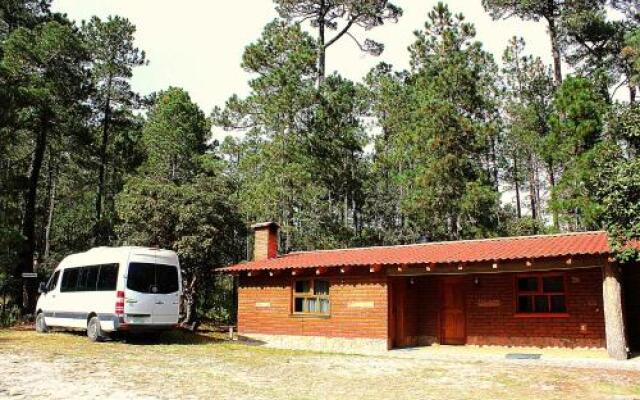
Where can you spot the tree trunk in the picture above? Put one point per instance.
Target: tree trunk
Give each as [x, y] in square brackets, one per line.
[613, 315]
[321, 41]
[555, 50]
[25, 260]
[51, 206]
[532, 190]
[494, 165]
[103, 156]
[632, 93]
[190, 303]
[552, 183]
[516, 181]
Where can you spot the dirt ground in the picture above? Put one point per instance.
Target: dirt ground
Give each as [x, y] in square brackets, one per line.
[181, 365]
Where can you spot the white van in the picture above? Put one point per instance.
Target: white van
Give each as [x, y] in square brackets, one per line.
[109, 289]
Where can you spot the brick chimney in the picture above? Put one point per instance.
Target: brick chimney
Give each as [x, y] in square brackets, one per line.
[265, 240]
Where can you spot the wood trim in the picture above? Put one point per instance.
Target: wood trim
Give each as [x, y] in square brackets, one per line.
[541, 315]
[309, 315]
[486, 267]
[539, 275]
[294, 295]
[390, 316]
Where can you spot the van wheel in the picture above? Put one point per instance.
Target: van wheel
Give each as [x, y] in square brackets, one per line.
[94, 331]
[41, 325]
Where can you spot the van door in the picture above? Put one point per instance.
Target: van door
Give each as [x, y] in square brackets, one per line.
[152, 294]
[50, 300]
[139, 301]
[167, 299]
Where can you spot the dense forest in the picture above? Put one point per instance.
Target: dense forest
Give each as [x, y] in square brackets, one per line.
[458, 146]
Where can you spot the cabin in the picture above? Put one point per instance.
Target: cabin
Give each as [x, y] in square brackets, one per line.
[563, 290]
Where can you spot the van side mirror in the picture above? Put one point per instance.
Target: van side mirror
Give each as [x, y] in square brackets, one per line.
[42, 288]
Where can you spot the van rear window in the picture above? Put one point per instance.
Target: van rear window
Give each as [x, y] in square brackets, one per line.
[152, 278]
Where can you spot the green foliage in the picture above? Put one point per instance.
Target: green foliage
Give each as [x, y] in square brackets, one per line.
[576, 124]
[404, 156]
[195, 219]
[174, 136]
[113, 57]
[576, 129]
[623, 123]
[46, 70]
[181, 199]
[328, 15]
[436, 149]
[526, 106]
[524, 226]
[620, 196]
[631, 52]
[298, 163]
[575, 196]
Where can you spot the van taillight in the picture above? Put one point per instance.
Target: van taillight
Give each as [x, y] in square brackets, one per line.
[119, 303]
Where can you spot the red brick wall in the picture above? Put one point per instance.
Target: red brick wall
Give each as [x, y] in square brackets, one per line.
[265, 243]
[497, 325]
[490, 308]
[350, 316]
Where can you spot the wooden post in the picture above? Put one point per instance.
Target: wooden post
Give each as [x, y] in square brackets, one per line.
[613, 317]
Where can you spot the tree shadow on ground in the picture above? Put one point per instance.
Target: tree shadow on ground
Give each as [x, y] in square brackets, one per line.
[183, 337]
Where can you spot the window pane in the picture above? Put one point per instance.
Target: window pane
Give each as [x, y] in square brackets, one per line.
[141, 277]
[69, 280]
[87, 278]
[305, 306]
[303, 286]
[82, 276]
[298, 304]
[525, 304]
[324, 306]
[553, 284]
[558, 304]
[108, 277]
[542, 304]
[529, 284]
[53, 281]
[321, 288]
[312, 305]
[166, 278]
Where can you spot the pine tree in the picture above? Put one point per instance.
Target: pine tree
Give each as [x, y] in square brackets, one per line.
[113, 58]
[47, 66]
[326, 15]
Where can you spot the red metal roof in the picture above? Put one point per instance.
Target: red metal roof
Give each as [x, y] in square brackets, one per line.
[464, 251]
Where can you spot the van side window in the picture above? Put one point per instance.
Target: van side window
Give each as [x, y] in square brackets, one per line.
[87, 278]
[53, 281]
[90, 279]
[69, 280]
[108, 277]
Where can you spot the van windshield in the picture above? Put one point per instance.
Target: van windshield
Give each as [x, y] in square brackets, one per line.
[152, 278]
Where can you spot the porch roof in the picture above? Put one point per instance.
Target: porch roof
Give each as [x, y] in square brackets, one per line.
[464, 251]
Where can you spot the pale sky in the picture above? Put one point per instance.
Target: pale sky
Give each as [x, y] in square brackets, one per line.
[198, 44]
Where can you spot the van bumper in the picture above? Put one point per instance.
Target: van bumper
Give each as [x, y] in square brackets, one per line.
[112, 323]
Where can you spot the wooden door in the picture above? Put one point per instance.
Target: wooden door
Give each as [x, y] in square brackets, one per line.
[397, 312]
[453, 326]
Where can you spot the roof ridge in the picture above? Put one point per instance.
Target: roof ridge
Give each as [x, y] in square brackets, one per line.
[495, 239]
